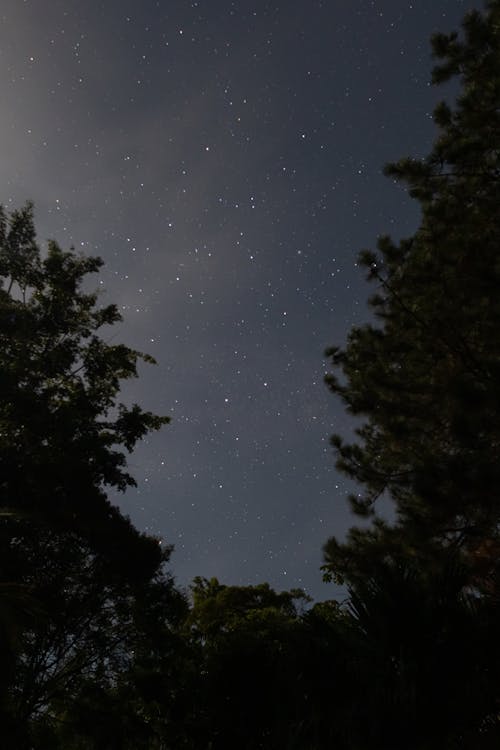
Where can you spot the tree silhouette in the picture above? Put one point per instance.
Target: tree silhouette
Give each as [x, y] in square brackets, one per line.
[72, 567]
[424, 376]
[423, 379]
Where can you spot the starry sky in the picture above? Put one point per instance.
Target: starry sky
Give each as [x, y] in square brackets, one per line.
[225, 160]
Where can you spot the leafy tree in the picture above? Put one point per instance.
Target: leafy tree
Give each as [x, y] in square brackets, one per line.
[244, 635]
[76, 578]
[246, 641]
[273, 671]
[119, 646]
[63, 431]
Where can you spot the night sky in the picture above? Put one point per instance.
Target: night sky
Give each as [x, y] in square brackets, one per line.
[225, 160]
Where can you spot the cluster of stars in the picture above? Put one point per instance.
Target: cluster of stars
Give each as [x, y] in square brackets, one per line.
[225, 161]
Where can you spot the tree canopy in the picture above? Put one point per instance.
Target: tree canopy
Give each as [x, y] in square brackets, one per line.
[423, 377]
[60, 382]
[72, 567]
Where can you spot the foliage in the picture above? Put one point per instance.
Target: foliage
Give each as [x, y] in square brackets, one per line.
[422, 380]
[60, 380]
[73, 570]
[265, 667]
[424, 375]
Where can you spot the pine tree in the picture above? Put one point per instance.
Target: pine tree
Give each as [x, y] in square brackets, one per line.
[423, 379]
[424, 376]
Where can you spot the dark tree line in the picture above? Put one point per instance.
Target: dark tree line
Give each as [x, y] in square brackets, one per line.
[98, 647]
